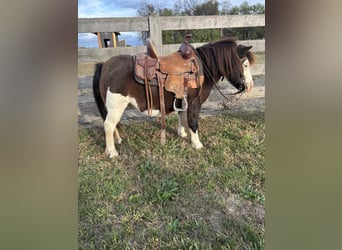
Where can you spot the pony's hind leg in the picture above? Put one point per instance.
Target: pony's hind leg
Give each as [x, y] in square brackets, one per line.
[116, 105]
[181, 129]
[117, 138]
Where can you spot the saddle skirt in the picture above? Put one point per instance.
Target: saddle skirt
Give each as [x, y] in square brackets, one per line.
[175, 71]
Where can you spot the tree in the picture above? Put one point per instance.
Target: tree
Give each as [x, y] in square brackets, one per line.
[225, 7]
[245, 8]
[186, 7]
[208, 8]
[166, 12]
[147, 9]
[258, 9]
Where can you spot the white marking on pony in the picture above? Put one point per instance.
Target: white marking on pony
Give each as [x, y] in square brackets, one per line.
[134, 103]
[153, 113]
[195, 140]
[116, 105]
[181, 129]
[247, 75]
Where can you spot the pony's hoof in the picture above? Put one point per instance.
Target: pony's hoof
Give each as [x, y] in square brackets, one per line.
[197, 145]
[118, 141]
[162, 141]
[112, 153]
[182, 133]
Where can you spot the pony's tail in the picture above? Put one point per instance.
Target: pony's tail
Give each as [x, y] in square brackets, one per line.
[96, 90]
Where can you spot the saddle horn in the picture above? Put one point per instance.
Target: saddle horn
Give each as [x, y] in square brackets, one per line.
[187, 38]
[186, 48]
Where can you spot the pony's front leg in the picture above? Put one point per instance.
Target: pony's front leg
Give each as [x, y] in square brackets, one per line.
[193, 115]
[181, 129]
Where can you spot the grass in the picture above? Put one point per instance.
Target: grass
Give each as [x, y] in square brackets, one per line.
[174, 197]
[86, 69]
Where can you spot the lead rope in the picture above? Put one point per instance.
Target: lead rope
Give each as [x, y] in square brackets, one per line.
[230, 103]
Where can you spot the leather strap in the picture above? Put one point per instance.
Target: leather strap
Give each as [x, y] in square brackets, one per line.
[184, 118]
[162, 110]
[148, 93]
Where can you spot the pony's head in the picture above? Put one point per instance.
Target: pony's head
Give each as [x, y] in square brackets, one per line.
[247, 58]
[239, 74]
[227, 59]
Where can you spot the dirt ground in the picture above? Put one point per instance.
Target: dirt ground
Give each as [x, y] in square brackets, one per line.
[88, 116]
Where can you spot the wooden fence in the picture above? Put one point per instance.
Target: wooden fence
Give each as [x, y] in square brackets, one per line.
[155, 25]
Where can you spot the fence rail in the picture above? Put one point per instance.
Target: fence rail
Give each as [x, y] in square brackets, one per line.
[155, 26]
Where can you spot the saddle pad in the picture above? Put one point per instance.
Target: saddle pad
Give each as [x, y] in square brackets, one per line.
[174, 64]
[145, 66]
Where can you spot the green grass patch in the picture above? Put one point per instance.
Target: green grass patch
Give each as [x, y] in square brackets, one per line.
[86, 69]
[173, 196]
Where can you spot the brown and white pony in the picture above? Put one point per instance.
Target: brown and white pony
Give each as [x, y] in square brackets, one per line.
[114, 87]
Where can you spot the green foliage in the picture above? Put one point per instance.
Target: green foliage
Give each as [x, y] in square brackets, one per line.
[173, 226]
[208, 8]
[167, 189]
[148, 9]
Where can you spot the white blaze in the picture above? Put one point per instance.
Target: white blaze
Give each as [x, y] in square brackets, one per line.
[247, 75]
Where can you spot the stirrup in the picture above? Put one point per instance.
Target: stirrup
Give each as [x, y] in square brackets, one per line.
[185, 104]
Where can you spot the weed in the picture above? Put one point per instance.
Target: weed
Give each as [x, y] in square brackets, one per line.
[167, 190]
[173, 225]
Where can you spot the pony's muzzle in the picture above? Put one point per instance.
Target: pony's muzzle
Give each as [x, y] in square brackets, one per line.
[249, 86]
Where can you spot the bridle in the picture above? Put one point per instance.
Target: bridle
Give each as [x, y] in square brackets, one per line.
[206, 68]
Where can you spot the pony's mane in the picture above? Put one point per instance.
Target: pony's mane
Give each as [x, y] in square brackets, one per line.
[221, 56]
[249, 54]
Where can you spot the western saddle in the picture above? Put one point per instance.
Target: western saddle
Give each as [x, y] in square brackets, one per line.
[175, 72]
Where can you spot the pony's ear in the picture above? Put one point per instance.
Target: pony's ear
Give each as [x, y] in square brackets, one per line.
[249, 47]
[242, 50]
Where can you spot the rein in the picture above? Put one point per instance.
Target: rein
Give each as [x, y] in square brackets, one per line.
[214, 81]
